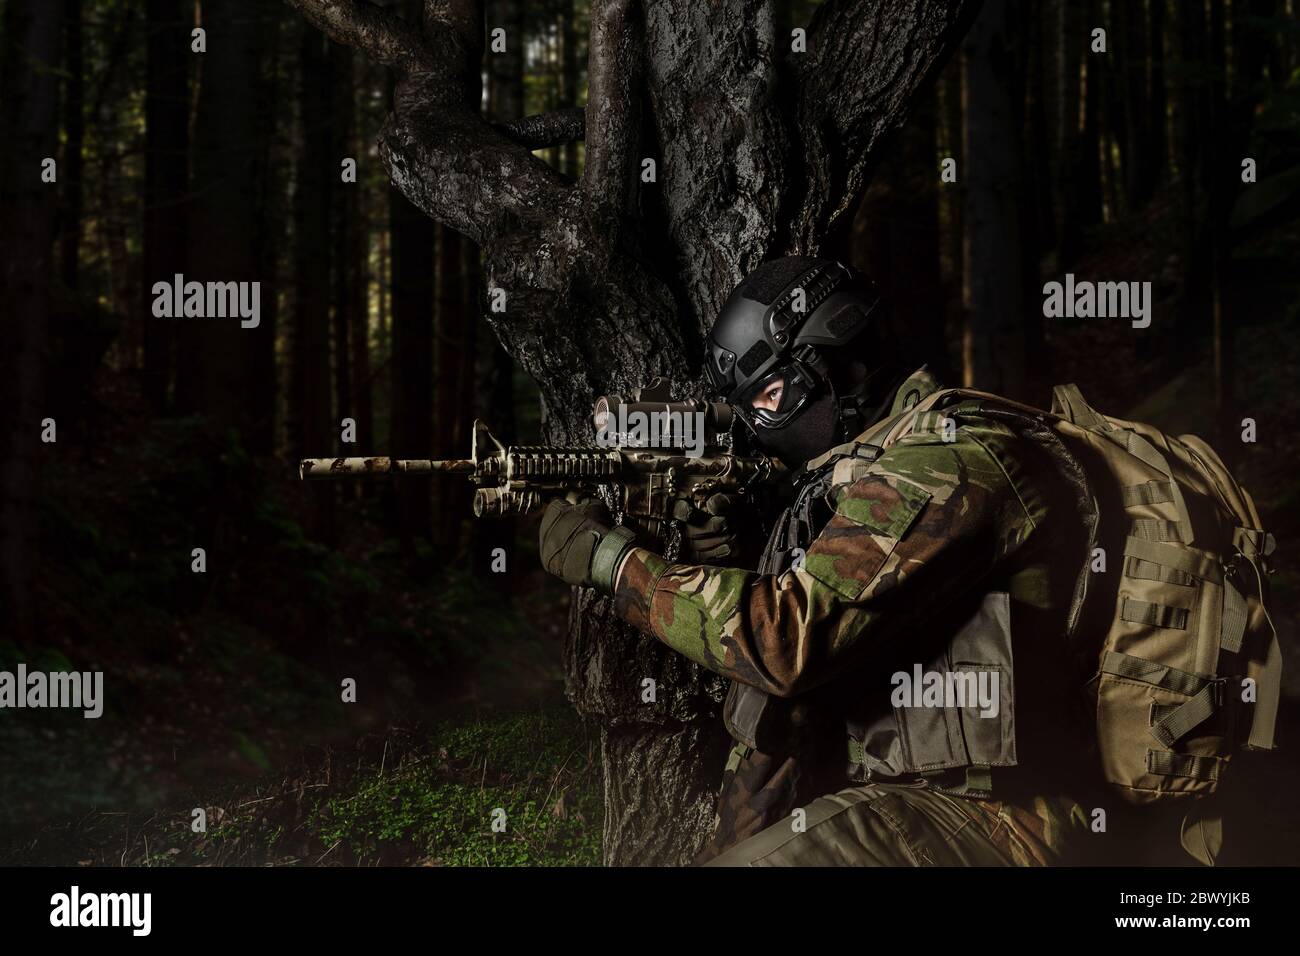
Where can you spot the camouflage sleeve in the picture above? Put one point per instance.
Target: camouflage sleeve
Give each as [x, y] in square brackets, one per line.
[926, 521]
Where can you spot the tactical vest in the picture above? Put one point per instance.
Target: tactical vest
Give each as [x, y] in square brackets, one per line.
[952, 749]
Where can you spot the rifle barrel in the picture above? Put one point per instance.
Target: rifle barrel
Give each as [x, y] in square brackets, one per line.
[321, 468]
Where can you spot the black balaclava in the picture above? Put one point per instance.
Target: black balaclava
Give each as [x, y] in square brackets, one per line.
[816, 429]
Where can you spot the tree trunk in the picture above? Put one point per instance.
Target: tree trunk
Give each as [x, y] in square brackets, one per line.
[29, 62]
[1087, 176]
[166, 179]
[271, 185]
[993, 343]
[1138, 158]
[450, 492]
[113, 87]
[316, 430]
[1155, 160]
[74, 126]
[215, 356]
[1068, 27]
[614, 279]
[411, 363]
[569, 79]
[347, 266]
[1194, 117]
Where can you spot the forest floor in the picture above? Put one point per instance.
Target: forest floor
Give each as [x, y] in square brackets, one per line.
[223, 689]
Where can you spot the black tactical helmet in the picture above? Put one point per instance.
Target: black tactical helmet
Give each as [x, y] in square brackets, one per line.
[775, 326]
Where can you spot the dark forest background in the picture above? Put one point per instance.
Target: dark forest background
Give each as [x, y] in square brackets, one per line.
[223, 687]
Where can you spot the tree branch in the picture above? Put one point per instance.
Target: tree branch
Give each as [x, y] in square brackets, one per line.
[857, 83]
[387, 39]
[547, 129]
[439, 150]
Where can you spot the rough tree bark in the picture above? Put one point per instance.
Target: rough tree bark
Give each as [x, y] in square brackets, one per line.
[610, 280]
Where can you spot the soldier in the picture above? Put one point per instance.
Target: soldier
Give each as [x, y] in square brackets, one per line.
[900, 576]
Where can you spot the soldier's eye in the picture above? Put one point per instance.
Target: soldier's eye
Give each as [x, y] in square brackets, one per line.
[770, 397]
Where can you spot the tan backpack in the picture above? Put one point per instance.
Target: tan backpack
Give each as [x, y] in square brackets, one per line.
[1189, 666]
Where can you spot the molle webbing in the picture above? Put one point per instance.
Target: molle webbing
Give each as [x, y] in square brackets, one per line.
[1183, 765]
[1179, 559]
[1156, 615]
[1172, 722]
[1149, 672]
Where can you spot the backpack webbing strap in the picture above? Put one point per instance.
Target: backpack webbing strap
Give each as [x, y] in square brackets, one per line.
[1069, 403]
[1149, 672]
[1142, 570]
[1148, 454]
[1155, 615]
[1159, 712]
[1233, 628]
[1197, 565]
[1183, 765]
[1205, 694]
[1254, 546]
[1157, 529]
[1150, 493]
[1188, 716]
[1269, 687]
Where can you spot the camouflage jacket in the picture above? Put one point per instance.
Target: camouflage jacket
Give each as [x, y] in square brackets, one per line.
[915, 536]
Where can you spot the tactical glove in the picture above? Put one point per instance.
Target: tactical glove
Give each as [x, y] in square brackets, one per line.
[577, 544]
[707, 536]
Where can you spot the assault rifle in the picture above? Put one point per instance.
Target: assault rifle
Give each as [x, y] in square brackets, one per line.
[651, 453]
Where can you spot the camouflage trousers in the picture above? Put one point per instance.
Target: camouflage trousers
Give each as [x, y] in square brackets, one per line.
[899, 825]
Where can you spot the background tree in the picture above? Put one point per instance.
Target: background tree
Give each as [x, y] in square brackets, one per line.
[166, 108]
[29, 59]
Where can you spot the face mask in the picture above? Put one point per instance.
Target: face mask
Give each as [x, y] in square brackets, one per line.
[814, 430]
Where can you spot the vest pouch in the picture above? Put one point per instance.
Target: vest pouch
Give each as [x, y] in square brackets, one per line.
[776, 725]
[956, 712]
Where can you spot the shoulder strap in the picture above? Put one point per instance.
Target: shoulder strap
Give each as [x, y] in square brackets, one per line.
[1068, 403]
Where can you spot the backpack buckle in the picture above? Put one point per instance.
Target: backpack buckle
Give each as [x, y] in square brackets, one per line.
[1220, 686]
